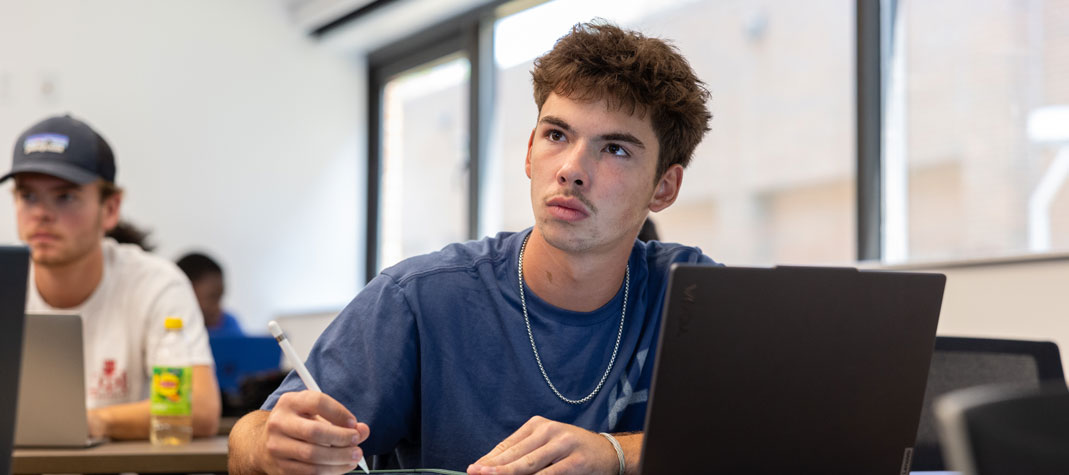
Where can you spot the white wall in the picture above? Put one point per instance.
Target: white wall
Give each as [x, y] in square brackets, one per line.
[234, 133]
[1022, 298]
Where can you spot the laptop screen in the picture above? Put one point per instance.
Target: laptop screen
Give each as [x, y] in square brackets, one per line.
[790, 370]
[51, 402]
[239, 357]
[14, 266]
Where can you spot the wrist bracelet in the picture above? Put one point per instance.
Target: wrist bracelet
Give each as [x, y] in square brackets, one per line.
[619, 450]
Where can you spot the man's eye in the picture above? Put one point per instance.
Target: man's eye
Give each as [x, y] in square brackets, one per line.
[617, 150]
[65, 198]
[555, 135]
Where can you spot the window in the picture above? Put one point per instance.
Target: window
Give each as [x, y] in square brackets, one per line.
[889, 130]
[978, 129]
[424, 159]
[420, 171]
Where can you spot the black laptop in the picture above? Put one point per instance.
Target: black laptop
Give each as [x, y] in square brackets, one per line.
[14, 266]
[790, 370]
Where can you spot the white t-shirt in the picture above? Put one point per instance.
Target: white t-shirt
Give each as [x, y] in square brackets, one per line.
[123, 322]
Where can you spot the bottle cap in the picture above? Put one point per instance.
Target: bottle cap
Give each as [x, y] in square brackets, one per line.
[172, 323]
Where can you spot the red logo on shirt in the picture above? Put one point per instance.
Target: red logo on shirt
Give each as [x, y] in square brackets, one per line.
[107, 384]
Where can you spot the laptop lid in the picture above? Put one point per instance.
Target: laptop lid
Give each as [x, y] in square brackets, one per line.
[790, 370]
[51, 407]
[241, 356]
[14, 266]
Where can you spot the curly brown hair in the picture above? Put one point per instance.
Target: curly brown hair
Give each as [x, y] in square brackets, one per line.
[631, 72]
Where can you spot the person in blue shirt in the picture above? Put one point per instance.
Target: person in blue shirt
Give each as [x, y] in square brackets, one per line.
[527, 352]
[206, 275]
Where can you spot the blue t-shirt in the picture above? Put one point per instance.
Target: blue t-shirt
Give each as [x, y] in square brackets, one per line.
[435, 357]
[228, 327]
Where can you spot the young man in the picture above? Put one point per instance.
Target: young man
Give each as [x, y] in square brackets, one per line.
[65, 201]
[511, 354]
[206, 275]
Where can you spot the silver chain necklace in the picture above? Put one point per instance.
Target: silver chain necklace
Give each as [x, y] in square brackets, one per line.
[527, 320]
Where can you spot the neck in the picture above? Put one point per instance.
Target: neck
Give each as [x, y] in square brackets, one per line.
[70, 284]
[580, 282]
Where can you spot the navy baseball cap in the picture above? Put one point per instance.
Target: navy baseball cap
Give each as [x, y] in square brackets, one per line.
[63, 147]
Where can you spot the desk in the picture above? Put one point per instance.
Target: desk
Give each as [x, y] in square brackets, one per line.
[225, 424]
[201, 455]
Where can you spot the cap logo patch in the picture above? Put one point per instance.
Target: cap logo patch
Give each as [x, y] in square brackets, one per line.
[54, 143]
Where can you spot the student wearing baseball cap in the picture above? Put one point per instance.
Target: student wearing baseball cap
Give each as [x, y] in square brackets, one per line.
[66, 200]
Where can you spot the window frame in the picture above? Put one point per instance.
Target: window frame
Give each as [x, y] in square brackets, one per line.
[469, 35]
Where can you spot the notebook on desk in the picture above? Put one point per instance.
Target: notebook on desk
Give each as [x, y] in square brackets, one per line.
[51, 398]
[14, 266]
[790, 370]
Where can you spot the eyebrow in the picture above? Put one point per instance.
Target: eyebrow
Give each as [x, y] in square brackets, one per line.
[609, 137]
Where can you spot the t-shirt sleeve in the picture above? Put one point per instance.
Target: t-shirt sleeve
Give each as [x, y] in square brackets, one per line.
[368, 360]
[175, 298]
[230, 323]
[701, 258]
[692, 255]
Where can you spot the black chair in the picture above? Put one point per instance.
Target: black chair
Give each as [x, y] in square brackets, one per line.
[959, 363]
[999, 430]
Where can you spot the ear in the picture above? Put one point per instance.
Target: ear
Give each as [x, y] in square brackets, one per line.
[667, 189]
[110, 211]
[527, 161]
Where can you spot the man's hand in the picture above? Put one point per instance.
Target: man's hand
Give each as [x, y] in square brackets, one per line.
[310, 432]
[98, 426]
[548, 447]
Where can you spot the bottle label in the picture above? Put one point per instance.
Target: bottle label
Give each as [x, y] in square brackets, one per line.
[171, 388]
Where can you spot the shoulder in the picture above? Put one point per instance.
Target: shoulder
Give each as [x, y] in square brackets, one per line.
[655, 260]
[130, 266]
[456, 259]
[661, 255]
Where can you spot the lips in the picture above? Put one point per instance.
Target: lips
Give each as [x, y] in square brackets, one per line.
[43, 237]
[567, 209]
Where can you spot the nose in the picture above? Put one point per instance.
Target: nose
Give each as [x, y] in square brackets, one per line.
[573, 171]
[41, 211]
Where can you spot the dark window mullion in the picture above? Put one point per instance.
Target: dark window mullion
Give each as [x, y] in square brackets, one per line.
[869, 104]
[374, 175]
[480, 102]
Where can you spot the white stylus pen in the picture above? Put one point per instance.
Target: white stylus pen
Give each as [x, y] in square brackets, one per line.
[298, 365]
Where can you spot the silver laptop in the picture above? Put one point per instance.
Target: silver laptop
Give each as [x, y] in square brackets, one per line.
[51, 402]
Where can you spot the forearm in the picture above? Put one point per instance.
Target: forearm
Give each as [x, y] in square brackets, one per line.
[631, 443]
[206, 403]
[245, 439]
[132, 420]
[123, 421]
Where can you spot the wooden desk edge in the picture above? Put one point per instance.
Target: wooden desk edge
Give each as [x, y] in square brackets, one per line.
[202, 455]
